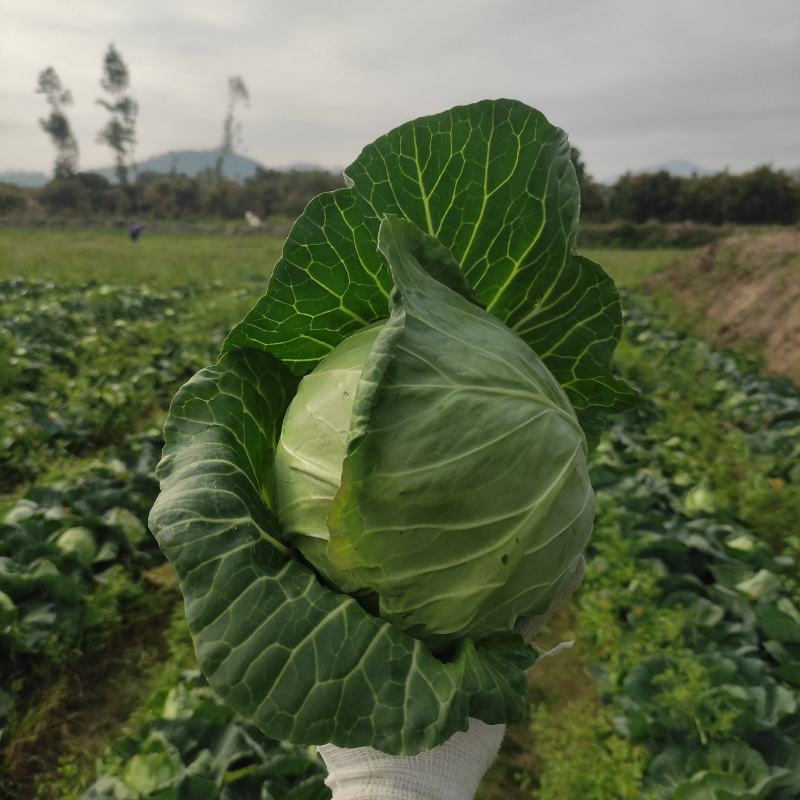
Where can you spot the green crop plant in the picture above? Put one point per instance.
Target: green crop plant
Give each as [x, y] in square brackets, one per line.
[386, 468]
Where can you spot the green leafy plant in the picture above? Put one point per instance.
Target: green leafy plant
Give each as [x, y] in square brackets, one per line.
[585, 756]
[688, 618]
[82, 364]
[71, 553]
[190, 745]
[356, 546]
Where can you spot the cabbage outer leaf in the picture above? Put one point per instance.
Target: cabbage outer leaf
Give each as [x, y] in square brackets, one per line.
[494, 183]
[305, 663]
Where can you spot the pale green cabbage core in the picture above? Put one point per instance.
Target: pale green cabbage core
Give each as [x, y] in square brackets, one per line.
[311, 451]
[519, 539]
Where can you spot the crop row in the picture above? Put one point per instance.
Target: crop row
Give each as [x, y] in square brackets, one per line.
[739, 430]
[68, 554]
[188, 744]
[689, 619]
[71, 558]
[80, 364]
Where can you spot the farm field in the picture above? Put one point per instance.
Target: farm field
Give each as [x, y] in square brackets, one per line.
[685, 678]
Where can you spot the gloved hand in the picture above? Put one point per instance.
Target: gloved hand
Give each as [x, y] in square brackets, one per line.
[451, 771]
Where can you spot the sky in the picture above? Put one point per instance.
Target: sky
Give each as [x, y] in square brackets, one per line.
[633, 82]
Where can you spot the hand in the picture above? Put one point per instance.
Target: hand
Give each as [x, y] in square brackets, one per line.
[450, 771]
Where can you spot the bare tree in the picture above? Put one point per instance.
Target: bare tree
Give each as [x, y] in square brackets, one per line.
[56, 125]
[231, 128]
[119, 133]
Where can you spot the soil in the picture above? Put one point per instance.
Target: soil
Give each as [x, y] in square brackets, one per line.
[743, 293]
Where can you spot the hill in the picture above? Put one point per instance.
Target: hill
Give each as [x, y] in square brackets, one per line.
[187, 162]
[191, 162]
[24, 178]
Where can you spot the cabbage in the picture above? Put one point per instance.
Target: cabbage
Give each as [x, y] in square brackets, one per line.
[78, 542]
[465, 497]
[386, 467]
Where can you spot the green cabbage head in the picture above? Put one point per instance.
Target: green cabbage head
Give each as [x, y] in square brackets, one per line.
[436, 462]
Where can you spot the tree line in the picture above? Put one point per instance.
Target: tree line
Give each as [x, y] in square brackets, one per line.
[762, 196]
[171, 196]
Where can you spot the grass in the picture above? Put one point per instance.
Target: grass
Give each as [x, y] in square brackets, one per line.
[171, 259]
[157, 259]
[557, 680]
[586, 756]
[629, 268]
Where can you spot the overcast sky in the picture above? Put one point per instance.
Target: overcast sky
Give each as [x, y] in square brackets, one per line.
[634, 82]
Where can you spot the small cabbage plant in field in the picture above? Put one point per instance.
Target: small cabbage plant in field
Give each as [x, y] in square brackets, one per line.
[386, 468]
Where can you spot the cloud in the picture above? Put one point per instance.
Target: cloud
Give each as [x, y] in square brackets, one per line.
[633, 83]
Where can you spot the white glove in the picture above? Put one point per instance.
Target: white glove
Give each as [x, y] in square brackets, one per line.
[450, 771]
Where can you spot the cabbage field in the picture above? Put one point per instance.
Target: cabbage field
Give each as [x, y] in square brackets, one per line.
[685, 679]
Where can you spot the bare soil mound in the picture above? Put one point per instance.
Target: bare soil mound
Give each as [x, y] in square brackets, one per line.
[743, 293]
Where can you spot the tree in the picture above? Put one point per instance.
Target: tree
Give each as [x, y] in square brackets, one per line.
[708, 198]
[649, 195]
[56, 125]
[119, 133]
[12, 199]
[231, 128]
[592, 198]
[81, 195]
[764, 195]
[270, 192]
[169, 196]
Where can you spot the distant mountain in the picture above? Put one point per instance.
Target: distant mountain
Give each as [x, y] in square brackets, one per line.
[24, 178]
[190, 162]
[185, 162]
